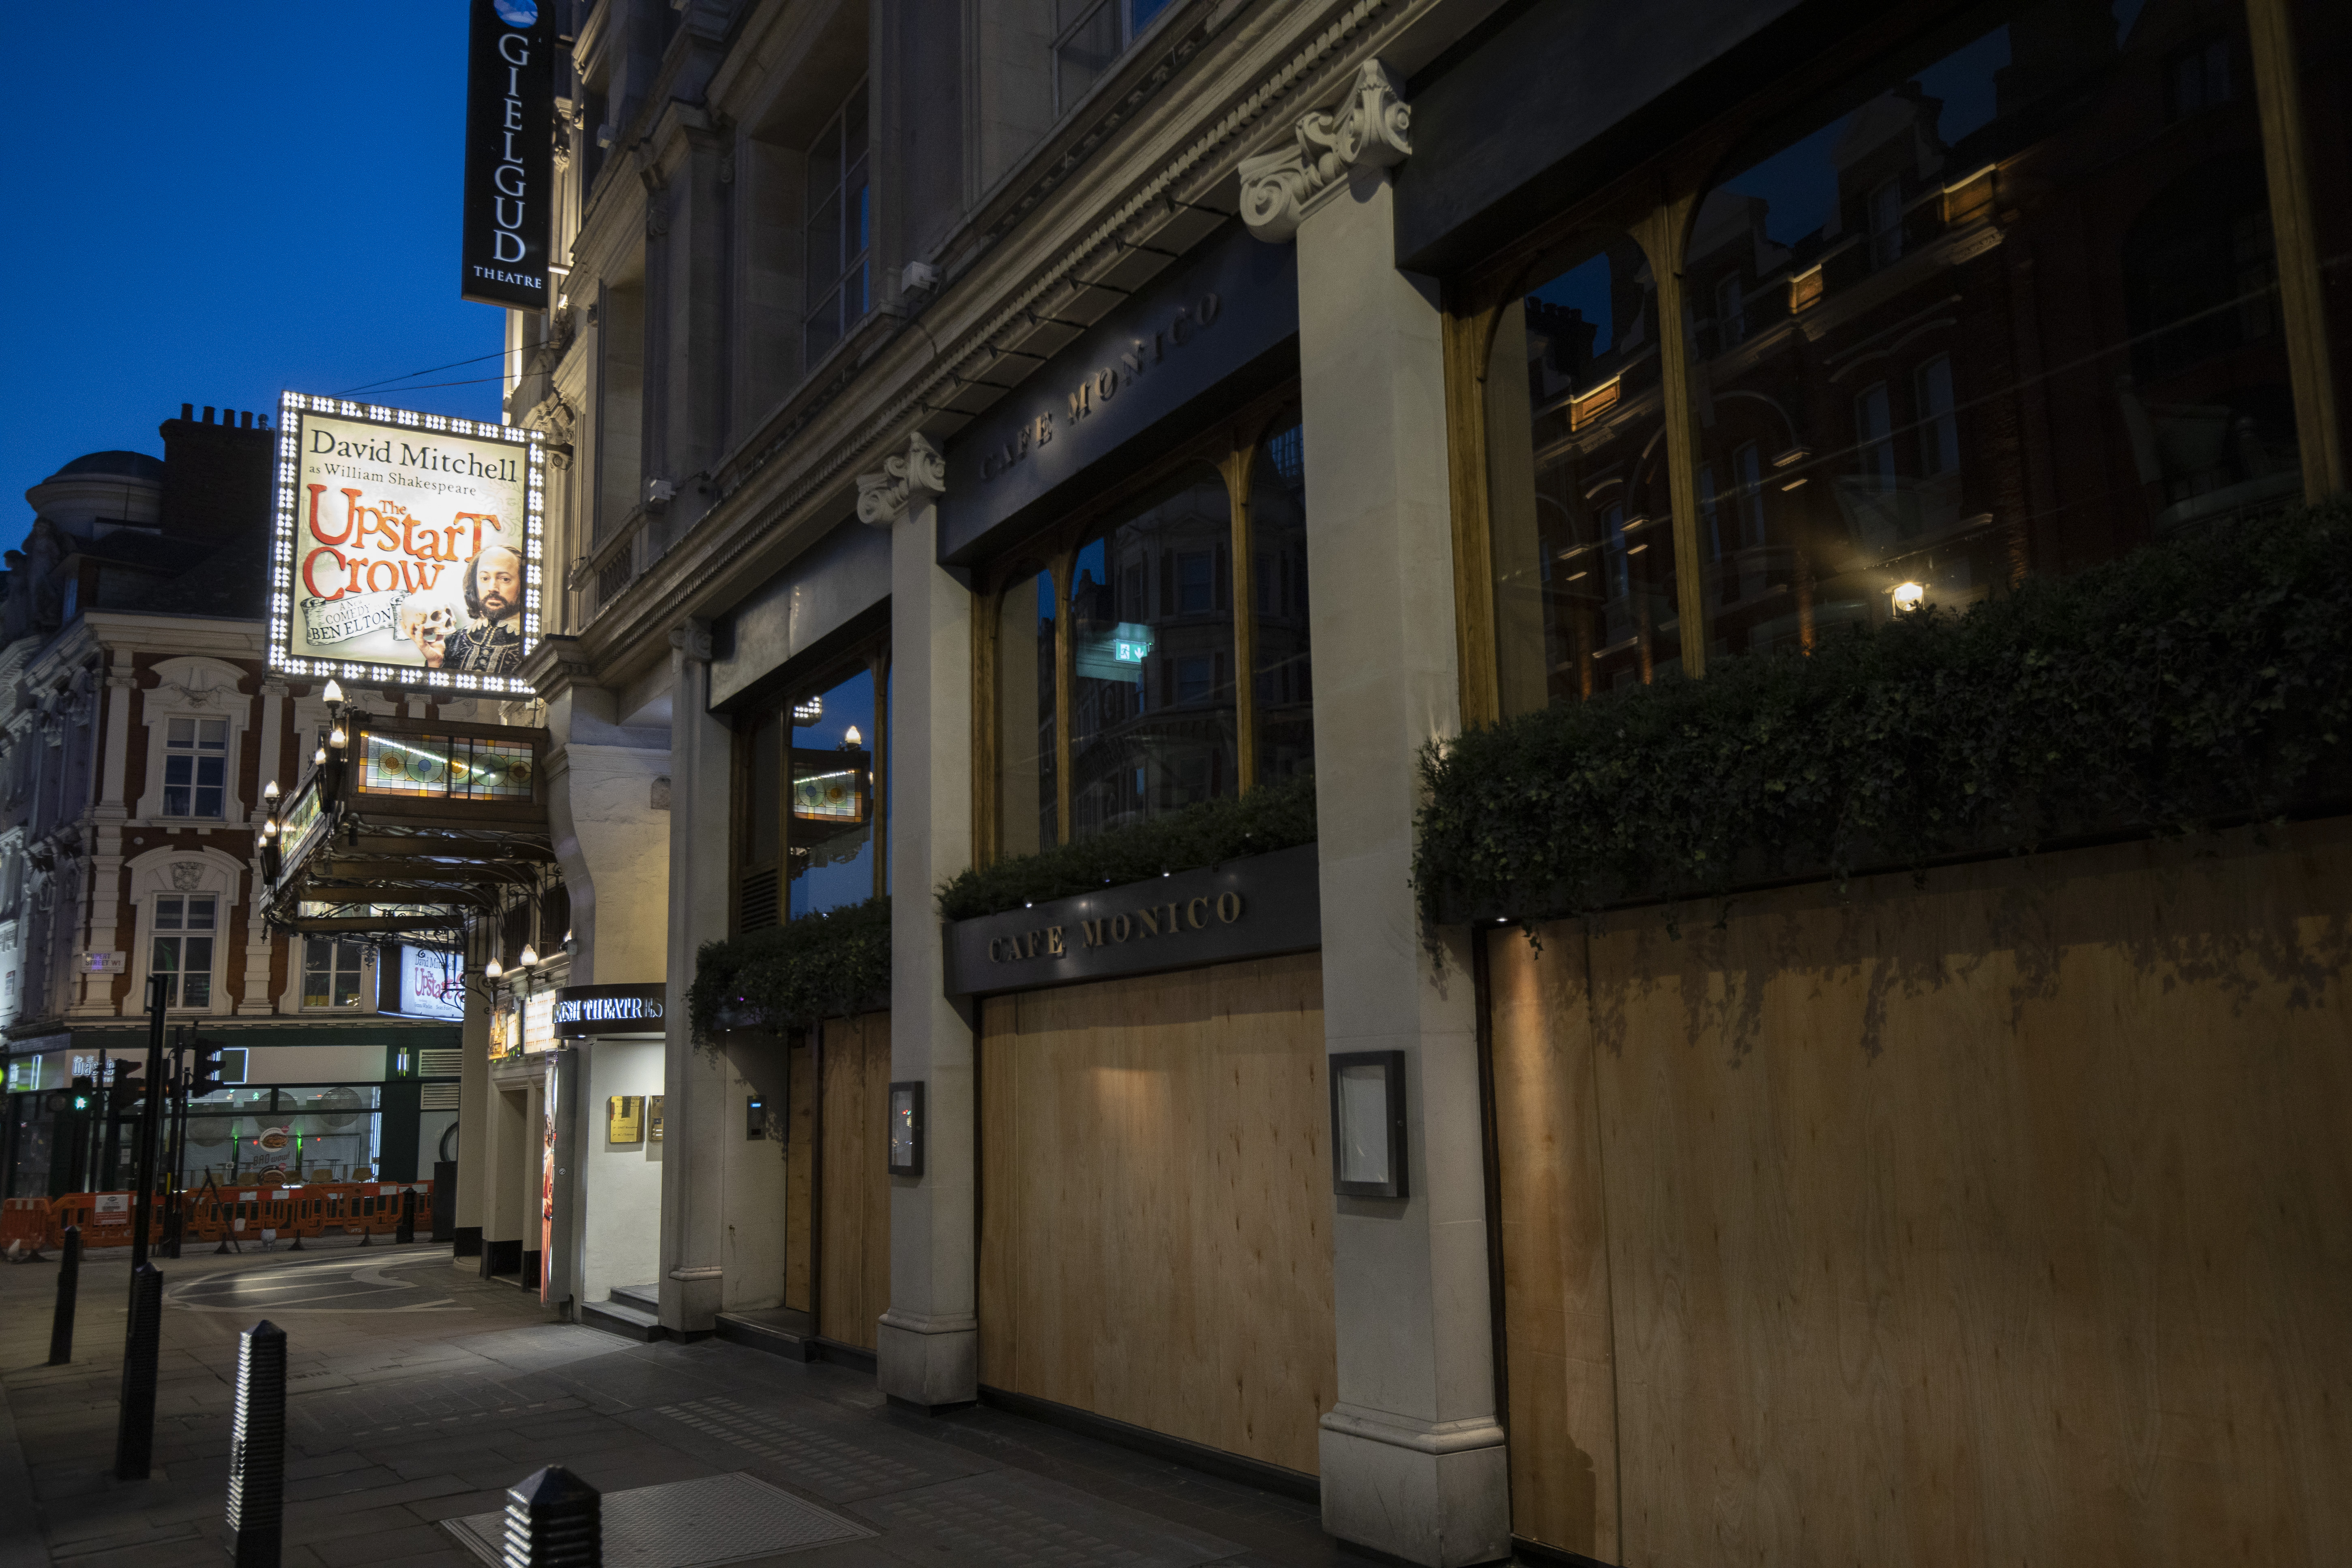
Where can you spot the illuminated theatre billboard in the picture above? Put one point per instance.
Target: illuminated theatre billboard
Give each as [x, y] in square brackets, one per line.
[407, 546]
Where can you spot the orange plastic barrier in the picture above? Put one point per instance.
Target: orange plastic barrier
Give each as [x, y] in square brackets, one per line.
[305, 1212]
[29, 1221]
[104, 1217]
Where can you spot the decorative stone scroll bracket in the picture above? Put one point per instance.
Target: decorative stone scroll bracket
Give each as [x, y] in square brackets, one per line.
[883, 499]
[1372, 129]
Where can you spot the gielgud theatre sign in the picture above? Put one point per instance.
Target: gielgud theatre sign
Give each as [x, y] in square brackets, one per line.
[407, 545]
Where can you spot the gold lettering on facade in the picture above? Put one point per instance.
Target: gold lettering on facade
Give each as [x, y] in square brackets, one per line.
[1053, 948]
[1120, 929]
[1150, 920]
[1196, 912]
[1229, 907]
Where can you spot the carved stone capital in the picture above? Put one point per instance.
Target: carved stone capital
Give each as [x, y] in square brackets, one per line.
[883, 499]
[692, 637]
[1370, 129]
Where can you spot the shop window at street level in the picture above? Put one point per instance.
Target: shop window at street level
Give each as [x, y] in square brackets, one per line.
[1138, 744]
[809, 785]
[1282, 668]
[185, 926]
[1027, 715]
[196, 767]
[330, 973]
[1585, 593]
[2004, 320]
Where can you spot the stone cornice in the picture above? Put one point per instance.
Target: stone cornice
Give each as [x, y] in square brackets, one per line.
[1165, 181]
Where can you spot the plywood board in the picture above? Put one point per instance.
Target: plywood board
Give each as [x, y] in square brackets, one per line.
[2008, 1220]
[854, 1232]
[1156, 1204]
[800, 1173]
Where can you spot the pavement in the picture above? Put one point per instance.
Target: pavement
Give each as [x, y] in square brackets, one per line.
[418, 1393]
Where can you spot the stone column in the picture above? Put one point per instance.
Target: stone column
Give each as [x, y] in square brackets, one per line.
[928, 1344]
[473, 1120]
[693, 1082]
[1412, 1458]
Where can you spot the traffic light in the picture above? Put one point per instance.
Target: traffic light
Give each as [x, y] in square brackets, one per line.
[126, 1089]
[205, 1072]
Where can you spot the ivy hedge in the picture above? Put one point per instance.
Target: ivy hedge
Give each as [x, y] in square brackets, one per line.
[2199, 680]
[1272, 816]
[789, 976]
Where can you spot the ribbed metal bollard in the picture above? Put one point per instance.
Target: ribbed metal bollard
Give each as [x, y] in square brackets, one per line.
[407, 1232]
[257, 1450]
[134, 1429]
[69, 1282]
[554, 1520]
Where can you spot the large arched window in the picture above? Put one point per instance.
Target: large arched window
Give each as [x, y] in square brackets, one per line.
[1583, 552]
[1117, 640]
[1152, 647]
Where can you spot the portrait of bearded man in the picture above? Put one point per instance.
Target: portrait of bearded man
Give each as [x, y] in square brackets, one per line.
[491, 644]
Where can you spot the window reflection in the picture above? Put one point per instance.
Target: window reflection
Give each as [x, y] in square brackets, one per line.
[1153, 659]
[1026, 716]
[1584, 558]
[1281, 668]
[2010, 304]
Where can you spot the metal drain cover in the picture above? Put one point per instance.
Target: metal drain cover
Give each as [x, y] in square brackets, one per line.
[690, 1524]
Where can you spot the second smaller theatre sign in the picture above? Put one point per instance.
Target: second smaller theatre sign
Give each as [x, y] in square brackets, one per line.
[1253, 908]
[585, 1010]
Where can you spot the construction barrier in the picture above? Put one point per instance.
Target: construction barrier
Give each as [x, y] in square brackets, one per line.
[104, 1217]
[30, 1222]
[239, 1214]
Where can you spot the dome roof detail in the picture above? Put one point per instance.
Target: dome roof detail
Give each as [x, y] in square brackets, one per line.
[127, 465]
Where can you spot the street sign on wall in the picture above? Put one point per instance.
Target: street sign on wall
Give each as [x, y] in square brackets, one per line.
[407, 545]
[510, 153]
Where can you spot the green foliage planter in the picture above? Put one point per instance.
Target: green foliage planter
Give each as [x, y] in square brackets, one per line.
[2200, 680]
[1272, 816]
[790, 976]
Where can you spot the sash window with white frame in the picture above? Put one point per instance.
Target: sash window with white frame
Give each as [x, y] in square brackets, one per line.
[331, 973]
[196, 767]
[185, 926]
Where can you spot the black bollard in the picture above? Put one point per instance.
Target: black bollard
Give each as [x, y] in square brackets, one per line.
[407, 1231]
[68, 1281]
[135, 1431]
[257, 1451]
[554, 1520]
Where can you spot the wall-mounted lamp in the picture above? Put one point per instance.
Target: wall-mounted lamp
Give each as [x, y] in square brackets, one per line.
[851, 739]
[269, 791]
[1368, 1136]
[337, 739]
[1909, 597]
[333, 693]
[319, 757]
[906, 1129]
[493, 969]
[530, 955]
